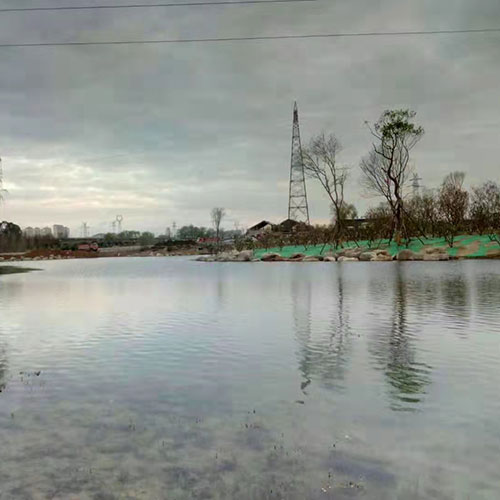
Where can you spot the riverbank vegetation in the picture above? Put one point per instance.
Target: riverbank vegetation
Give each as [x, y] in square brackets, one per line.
[405, 217]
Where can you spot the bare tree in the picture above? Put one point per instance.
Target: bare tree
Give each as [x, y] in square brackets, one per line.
[423, 211]
[485, 209]
[320, 163]
[386, 169]
[453, 204]
[217, 215]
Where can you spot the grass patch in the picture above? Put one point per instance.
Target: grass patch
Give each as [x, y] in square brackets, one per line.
[471, 246]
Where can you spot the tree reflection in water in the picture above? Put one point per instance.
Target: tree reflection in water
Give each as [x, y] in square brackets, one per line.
[3, 367]
[455, 296]
[395, 353]
[322, 331]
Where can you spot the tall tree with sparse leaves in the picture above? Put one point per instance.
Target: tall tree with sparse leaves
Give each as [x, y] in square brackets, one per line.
[217, 214]
[386, 169]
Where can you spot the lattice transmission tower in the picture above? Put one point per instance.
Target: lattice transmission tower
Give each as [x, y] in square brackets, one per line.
[298, 209]
[415, 184]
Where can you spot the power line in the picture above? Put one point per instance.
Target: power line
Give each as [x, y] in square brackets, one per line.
[148, 5]
[253, 38]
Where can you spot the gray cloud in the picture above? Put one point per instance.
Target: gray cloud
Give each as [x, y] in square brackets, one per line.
[163, 133]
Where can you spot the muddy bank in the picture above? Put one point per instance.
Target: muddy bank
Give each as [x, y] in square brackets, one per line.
[15, 270]
[39, 255]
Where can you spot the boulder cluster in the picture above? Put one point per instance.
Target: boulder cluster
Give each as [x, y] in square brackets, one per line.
[345, 255]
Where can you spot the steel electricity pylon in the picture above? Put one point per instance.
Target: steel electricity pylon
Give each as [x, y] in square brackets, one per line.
[298, 209]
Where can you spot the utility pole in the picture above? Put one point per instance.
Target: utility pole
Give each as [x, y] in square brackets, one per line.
[119, 220]
[298, 208]
[415, 184]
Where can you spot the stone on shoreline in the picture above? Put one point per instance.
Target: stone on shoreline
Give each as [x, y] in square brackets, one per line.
[407, 254]
[244, 256]
[382, 257]
[367, 256]
[436, 256]
[351, 252]
[312, 258]
[272, 257]
[343, 258]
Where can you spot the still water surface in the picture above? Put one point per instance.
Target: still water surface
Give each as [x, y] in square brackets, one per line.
[167, 378]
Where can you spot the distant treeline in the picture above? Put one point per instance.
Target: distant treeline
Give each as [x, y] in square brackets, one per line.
[12, 239]
[445, 212]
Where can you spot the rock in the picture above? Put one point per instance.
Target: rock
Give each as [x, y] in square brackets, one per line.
[297, 256]
[367, 256]
[343, 258]
[227, 256]
[271, 257]
[407, 254]
[255, 260]
[381, 251]
[355, 252]
[432, 250]
[311, 258]
[436, 256]
[382, 257]
[244, 256]
[330, 258]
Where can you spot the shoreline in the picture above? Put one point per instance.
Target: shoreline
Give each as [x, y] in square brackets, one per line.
[4, 270]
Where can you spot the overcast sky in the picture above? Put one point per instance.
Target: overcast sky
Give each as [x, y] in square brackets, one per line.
[163, 133]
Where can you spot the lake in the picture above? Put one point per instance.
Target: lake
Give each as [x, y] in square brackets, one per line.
[159, 378]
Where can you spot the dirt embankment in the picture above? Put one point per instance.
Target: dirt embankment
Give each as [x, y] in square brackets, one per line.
[44, 254]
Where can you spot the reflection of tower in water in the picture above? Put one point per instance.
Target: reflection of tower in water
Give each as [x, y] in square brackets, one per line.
[301, 301]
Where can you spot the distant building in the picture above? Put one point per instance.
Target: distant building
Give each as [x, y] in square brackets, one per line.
[260, 228]
[37, 231]
[46, 231]
[60, 232]
[29, 232]
[289, 225]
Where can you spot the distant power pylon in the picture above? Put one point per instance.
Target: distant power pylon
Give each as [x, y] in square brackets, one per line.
[119, 219]
[298, 209]
[415, 184]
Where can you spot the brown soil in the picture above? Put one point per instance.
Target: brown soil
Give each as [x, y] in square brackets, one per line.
[74, 254]
[469, 249]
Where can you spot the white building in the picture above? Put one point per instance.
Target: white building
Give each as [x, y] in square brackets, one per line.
[46, 231]
[60, 232]
[29, 232]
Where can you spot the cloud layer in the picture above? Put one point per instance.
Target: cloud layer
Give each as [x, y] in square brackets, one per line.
[163, 133]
